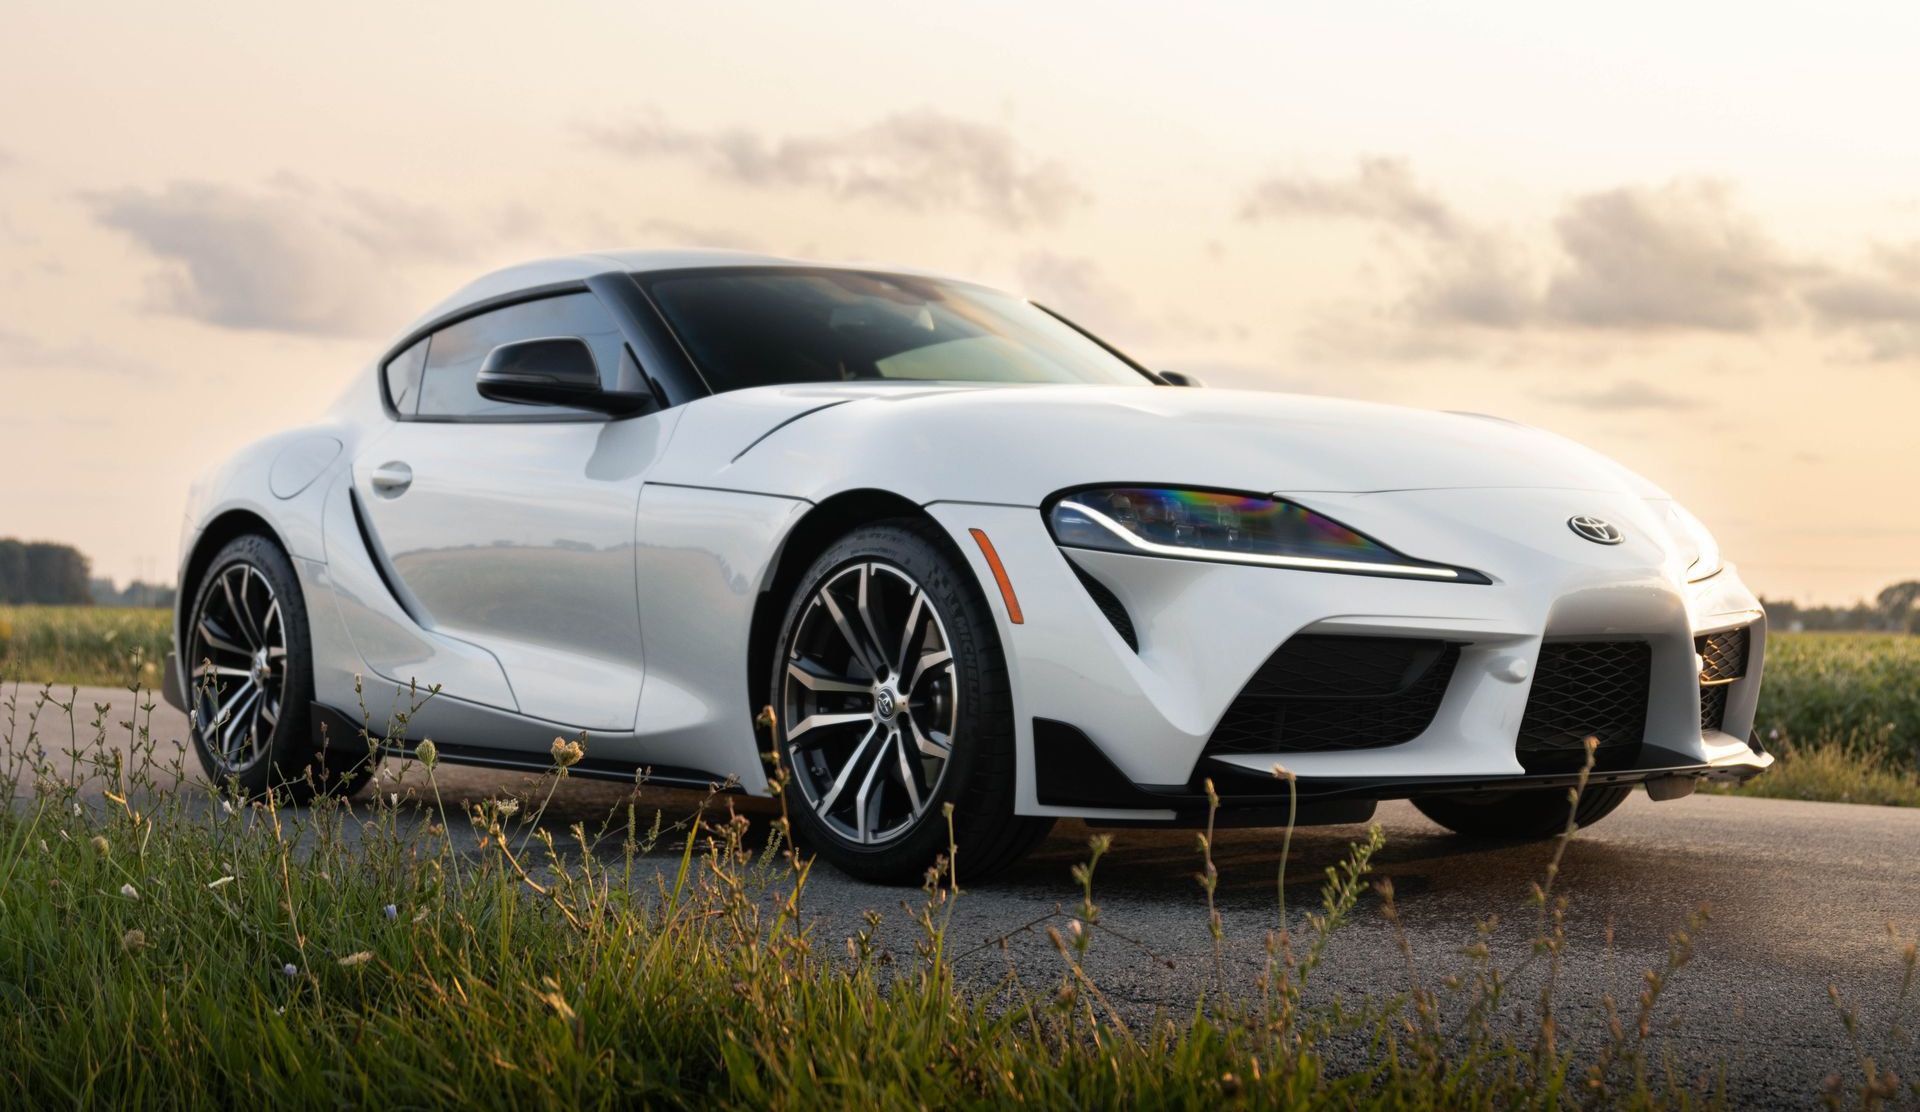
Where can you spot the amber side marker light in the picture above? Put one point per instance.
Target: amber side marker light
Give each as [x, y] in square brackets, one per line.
[999, 576]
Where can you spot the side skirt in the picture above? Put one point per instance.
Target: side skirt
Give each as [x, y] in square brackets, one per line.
[336, 730]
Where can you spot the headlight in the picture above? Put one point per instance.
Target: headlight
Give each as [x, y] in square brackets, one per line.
[1697, 546]
[1232, 528]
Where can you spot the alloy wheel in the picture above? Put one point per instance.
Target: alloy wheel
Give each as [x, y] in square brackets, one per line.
[870, 702]
[238, 650]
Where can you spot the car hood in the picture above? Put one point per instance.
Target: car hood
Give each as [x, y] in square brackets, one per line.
[1019, 444]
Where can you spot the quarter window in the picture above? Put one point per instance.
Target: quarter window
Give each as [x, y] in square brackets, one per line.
[456, 352]
[403, 378]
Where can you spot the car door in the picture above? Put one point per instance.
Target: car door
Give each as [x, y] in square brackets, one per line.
[510, 526]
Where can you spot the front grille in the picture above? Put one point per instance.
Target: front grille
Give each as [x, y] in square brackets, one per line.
[1585, 689]
[1723, 659]
[1321, 692]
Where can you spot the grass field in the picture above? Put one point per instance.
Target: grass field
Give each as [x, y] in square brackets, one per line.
[1841, 713]
[93, 646]
[1854, 689]
[174, 949]
[1840, 710]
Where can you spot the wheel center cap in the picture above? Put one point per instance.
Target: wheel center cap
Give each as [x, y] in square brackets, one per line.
[886, 705]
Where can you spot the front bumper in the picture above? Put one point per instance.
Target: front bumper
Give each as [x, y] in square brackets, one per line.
[1071, 772]
[173, 687]
[1204, 628]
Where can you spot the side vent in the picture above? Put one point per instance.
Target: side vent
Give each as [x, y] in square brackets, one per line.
[378, 558]
[1110, 605]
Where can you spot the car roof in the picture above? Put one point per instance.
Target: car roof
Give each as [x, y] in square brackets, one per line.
[573, 268]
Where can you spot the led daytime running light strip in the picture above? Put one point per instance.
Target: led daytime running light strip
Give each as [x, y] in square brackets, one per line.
[1314, 563]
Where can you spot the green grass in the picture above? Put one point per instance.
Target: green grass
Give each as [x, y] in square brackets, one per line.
[173, 948]
[1841, 713]
[1834, 773]
[1855, 690]
[92, 646]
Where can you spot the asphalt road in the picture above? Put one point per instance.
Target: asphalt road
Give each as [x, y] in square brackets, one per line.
[1801, 898]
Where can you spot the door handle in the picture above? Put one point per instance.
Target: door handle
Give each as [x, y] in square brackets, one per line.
[391, 479]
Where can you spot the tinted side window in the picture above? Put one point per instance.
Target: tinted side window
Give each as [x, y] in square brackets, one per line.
[403, 378]
[454, 358]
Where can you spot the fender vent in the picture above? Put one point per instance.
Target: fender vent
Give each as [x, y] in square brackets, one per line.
[1321, 692]
[378, 558]
[1110, 605]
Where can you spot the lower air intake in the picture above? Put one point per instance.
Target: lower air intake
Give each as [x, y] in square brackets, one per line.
[1723, 659]
[1585, 689]
[1323, 692]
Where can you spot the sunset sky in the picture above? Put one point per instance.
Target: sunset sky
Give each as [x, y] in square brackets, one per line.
[1689, 238]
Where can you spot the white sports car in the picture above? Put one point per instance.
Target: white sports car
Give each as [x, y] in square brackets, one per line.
[965, 551]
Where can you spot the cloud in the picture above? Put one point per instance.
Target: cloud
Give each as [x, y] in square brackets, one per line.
[290, 257]
[1480, 279]
[1634, 259]
[680, 233]
[1637, 259]
[1880, 306]
[1676, 256]
[1865, 299]
[1380, 189]
[1630, 395]
[1077, 288]
[911, 160]
[19, 351]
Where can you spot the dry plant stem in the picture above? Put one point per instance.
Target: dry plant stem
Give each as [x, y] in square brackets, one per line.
[1209, 881]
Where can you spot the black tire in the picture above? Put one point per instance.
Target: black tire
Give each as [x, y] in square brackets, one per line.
[1521, 816]
[977, 774]
[273, 751]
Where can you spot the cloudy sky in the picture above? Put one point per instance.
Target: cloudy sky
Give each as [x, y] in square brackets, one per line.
[1689, 238]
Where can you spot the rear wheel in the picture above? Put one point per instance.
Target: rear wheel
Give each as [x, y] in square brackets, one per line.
[250, 667]
[1521, 816]
[892, 700]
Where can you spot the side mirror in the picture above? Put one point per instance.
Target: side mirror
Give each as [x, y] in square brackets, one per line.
[554, 371]
[1176, 378]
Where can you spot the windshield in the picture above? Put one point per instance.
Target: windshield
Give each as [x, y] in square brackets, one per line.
[774, 326]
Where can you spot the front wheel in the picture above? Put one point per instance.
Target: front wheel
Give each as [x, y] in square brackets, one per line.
[891, 698]
[1522, 816]
[249, 663]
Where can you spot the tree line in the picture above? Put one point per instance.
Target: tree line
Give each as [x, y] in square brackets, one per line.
[1894, 610]
[44, 573]
[41, 573]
